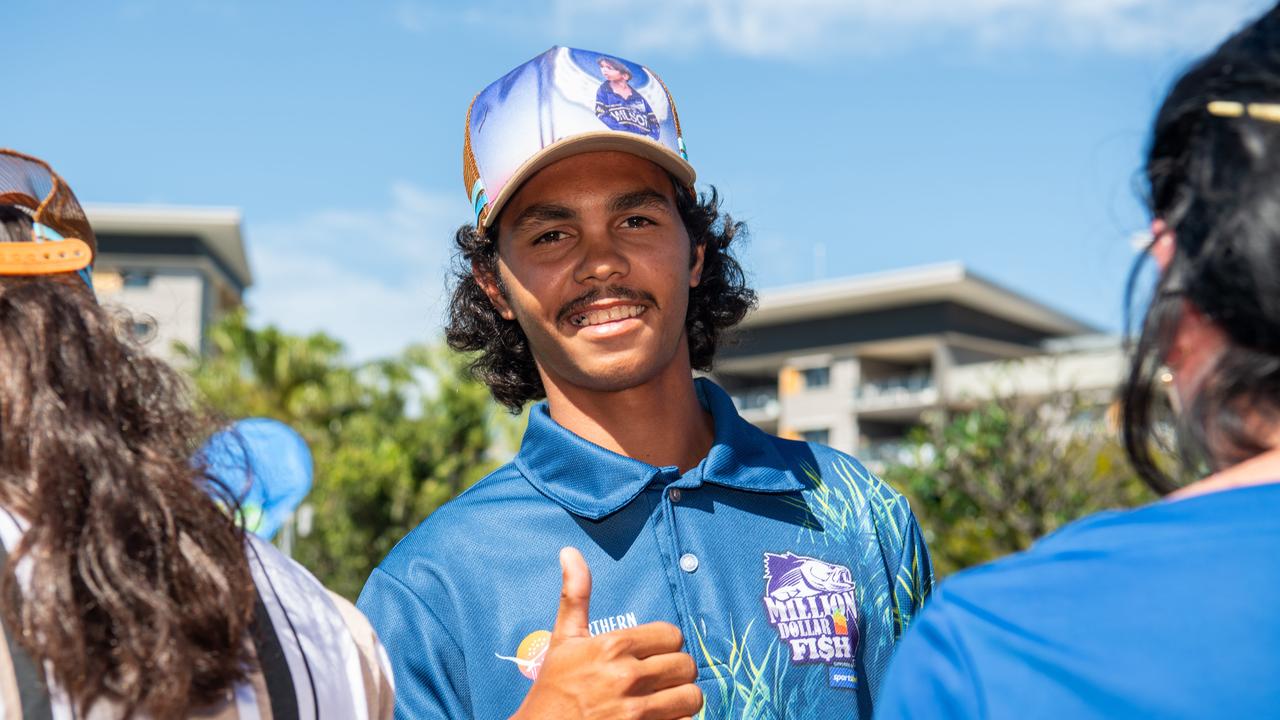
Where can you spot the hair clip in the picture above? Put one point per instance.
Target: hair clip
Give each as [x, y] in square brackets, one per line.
[1267, 112]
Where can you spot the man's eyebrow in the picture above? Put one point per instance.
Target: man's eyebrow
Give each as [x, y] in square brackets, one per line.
[542, 212]
[638, 199]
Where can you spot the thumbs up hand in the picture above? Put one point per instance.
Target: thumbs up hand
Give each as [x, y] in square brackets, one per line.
[575, 597]
[636, 673]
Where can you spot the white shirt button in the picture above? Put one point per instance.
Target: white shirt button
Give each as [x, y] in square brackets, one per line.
[688, 562]
[675, 494]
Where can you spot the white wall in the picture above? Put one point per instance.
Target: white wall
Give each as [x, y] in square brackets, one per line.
[829, 408]
[174, 300]
[1092, 370]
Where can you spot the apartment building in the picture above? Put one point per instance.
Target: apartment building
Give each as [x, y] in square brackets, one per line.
[855, 363]
[177, 270]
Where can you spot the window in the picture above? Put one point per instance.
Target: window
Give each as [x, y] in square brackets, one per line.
[821, 436]
[134, 279]
[818, 377]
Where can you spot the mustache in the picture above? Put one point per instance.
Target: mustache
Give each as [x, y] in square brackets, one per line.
[620, 292]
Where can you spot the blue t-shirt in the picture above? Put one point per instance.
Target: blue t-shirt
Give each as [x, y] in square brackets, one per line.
[1165, 611]
[789, 568]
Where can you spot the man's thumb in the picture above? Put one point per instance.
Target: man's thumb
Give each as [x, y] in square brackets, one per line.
[575, 595]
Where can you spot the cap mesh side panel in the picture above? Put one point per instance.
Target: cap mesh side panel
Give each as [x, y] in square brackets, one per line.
[470, 172]
[30, 183]
[23, 182]
[675, 117]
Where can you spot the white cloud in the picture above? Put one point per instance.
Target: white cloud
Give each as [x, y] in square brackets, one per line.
[415, 17]
[421, 17]
[373, 278]
[816, 28]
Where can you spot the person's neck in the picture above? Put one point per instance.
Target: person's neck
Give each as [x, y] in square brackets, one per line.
[1262, 469]
[621, 87]
[660, 422]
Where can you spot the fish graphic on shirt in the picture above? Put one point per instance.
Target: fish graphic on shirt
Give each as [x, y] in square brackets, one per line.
[792, 576]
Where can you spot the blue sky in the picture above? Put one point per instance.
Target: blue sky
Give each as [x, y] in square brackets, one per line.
[878, 134]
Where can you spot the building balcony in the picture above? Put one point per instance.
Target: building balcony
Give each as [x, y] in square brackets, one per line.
[757, 405]
[882, 454]
[896, 393]
[1096, 371]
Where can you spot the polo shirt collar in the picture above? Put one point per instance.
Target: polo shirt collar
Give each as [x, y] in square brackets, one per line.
[593, 482]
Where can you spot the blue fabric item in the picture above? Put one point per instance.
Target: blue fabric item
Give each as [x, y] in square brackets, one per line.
[267, 464]
[766, 537]
[1166, 611]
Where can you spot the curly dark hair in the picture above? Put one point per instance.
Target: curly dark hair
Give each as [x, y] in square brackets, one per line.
[505, 362]
[140, 592]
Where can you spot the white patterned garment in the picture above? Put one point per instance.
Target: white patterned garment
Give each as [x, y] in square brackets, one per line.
[338, 667]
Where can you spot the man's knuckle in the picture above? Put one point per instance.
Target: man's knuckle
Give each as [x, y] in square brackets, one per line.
[626, 676]
[617, 644]
[632, 709]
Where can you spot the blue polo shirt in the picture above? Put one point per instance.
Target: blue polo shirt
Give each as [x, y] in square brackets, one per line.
[790, 569]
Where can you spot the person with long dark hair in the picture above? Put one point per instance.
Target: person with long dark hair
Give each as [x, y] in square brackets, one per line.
[1167, 610]
[127, 591]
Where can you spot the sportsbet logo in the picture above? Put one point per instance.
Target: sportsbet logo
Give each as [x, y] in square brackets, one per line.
[533, 648]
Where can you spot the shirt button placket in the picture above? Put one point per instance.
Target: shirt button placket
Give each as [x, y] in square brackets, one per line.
[669, 546]
[689, 562]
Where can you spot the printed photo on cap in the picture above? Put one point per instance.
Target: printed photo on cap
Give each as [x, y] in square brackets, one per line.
[561, 94]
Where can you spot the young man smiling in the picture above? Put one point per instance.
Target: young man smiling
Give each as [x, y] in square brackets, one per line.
[732, 570]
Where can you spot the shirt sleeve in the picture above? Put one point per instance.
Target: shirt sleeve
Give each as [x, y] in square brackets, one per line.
[428, 665]
[929, 676]
[914, 581]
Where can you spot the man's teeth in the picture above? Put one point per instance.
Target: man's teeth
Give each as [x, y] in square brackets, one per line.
[613, 314]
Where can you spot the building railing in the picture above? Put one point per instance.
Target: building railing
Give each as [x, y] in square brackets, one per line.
[915, 389]
[758, 402]
[882, 454]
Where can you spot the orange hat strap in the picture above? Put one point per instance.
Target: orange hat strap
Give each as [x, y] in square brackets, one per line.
[45, 258]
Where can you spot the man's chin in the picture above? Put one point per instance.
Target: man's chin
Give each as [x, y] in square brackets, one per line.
[613, 377]
[597, 369]
[617, 382]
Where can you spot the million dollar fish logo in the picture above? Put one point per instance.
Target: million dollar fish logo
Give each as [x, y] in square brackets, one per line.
[813, 606]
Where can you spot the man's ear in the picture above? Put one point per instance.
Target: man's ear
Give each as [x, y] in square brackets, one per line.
[487, 279]
[695, 272]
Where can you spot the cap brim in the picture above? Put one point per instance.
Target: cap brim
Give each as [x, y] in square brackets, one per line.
[605, 140]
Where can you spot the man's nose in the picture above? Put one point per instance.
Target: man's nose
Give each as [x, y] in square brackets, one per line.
[602, 258]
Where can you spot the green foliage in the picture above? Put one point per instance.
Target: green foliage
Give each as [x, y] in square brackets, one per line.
[392, 439]
[992, 480]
